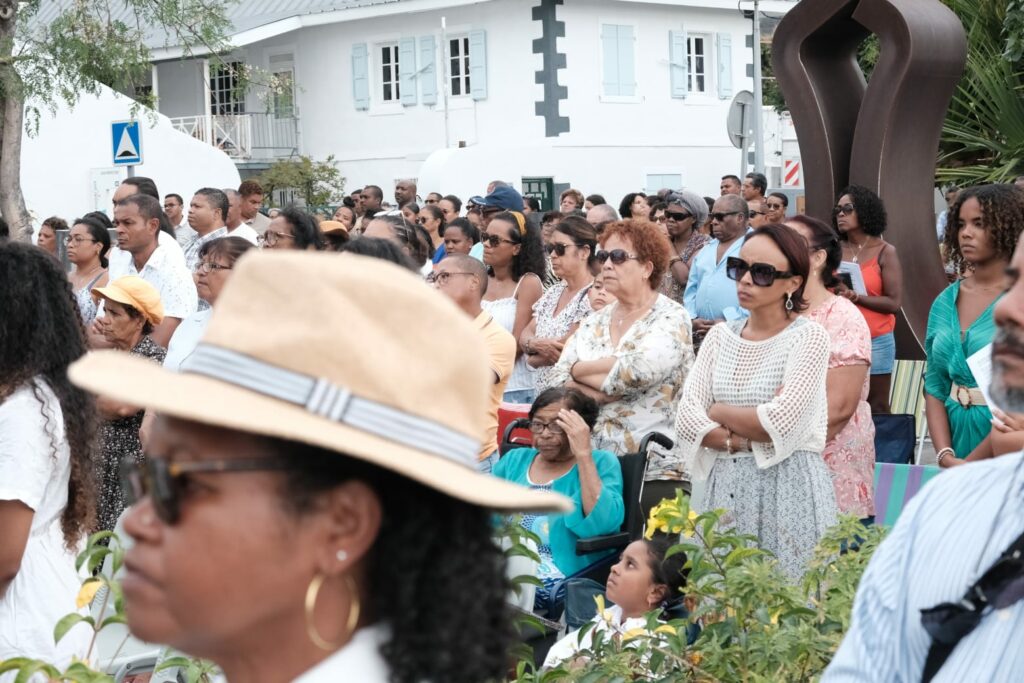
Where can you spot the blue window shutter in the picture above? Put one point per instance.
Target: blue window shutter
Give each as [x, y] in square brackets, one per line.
[724, 66]
[407, 70]
[677, 64]
[610, 84]
[427, 71]
[360, 77]
[478, 64]
[627, 62]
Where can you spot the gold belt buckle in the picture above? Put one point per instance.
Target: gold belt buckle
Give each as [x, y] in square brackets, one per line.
[963, 396]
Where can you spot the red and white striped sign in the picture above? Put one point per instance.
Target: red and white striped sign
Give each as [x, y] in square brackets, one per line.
[791, 173]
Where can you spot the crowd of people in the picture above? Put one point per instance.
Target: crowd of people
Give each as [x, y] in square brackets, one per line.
[358, 402]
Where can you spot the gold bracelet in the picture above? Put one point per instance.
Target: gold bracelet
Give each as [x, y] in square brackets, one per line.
[728, 442]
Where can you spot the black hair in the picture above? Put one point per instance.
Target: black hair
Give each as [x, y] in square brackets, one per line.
[655, 208]
[136, 314]
[143, 185]
[532, 202]
[412, 236]
[734, 178]
[304, 228]
[794, 248]
[574, 399]
[230, 248]
[149, 208]
[582, 233]
[218, 200]
[781, 196]
[530, 258]
[98, 231]
[384, 249]
[595, 199]
[41, 335]
[374, 191]
[55, 223]
[455, 201]
[870, 210]
[759, 181]
[550, 216]
[347, 201]
[181, 200]
[438, 214]
[5, 231]
[626, 205]
[826, 239]
[411, 205]
[413, 561]
[710, 201]
[468, 229]
[100, 217]
[1002, 211]
[669, 571]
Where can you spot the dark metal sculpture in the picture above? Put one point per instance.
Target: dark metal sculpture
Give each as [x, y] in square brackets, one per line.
[883, 134]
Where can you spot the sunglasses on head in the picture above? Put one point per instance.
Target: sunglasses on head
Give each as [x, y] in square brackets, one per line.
[678, 215]
[845, 209]
[495, 240]
[558, 248]
[761, 274]
[166, 482]
[618, 256]
[722, 216]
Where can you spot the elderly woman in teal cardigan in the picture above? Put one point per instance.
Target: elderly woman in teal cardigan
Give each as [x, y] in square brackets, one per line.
[563, 461]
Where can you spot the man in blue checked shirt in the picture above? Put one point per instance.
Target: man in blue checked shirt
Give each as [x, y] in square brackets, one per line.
[943, 598]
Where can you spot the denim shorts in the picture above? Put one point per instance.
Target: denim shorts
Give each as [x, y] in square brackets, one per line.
[883, 354]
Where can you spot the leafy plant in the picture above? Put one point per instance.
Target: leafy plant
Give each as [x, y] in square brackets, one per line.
[756, 624]
[318, 182]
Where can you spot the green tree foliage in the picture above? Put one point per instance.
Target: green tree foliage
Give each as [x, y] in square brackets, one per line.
[319, 183]
[55, 51]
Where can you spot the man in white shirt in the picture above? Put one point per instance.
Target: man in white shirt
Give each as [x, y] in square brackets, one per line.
[137, 221]
[206, 214]
[252, 199]
[146, 186]
[236, 228]
[174, 206]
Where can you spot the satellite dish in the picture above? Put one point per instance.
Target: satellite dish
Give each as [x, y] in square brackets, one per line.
[740, 120]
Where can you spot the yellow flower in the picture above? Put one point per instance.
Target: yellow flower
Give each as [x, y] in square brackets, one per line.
[634, 633]
[665, 628]
[87, 592]
[695, 658]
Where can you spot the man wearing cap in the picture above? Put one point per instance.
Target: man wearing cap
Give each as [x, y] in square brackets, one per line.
[137, 221]
[502, 198]
[463, 279]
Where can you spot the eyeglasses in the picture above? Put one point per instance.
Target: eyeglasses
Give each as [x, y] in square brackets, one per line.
[558, 248]
[618, 256]
[441, 277]
[845, 209]
[762, 274]
[538, 427]
[678, 216]
[722, 216]
[68, 241]
[204, 267]
[166, 483]
[775, 207]
[661, 219]
[758, 213]
[495, 240]
[431, 201]
[421, 221]
[272, 237]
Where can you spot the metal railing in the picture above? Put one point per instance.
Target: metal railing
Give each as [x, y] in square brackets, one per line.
[244, 136]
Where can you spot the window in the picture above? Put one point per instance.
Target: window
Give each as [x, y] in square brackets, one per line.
[618, 77]
[658, 181]
[697, 63]
[284, 94]
[458, 66]
[389, 73]
[226, 93]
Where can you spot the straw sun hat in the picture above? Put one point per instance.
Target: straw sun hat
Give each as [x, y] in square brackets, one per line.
[344, 352]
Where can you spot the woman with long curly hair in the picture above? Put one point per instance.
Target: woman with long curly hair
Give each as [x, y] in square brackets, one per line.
[860, 219]
[981, 235]
[47, 456]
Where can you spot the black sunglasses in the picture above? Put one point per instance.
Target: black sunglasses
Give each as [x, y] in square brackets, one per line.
[722, 216]
[166, 482]
[762, 274]
[845, 209]
[558, 248]
[495, 240]
[678, 215]
[618, 256]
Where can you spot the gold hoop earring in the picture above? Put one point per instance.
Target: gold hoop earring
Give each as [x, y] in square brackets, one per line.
[312, 592]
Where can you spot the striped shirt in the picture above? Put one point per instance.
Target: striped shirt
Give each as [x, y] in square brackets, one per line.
[946, 538]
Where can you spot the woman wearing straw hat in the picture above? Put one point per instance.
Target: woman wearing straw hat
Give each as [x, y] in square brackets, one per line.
[133, 309]
[302, 516]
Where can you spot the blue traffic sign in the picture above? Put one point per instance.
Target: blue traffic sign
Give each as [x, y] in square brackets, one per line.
[127, 143]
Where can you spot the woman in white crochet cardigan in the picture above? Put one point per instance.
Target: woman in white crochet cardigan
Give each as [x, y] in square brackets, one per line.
[752, 417]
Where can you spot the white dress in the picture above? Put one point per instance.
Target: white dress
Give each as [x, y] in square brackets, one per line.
[504, 313]
[782, 492]
[571, 645]
[45, 587]
[185, 338]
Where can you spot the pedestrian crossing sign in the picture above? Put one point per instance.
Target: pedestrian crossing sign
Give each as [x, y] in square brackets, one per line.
[127, 143]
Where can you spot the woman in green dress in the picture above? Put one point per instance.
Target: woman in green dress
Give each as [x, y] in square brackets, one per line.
[980, 241]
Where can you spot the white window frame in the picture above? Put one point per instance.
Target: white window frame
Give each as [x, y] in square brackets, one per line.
[449, 57]
[278, 67]
[233, 102]
[662, 171]
[710, 63]
[618, 99]
[378, 80]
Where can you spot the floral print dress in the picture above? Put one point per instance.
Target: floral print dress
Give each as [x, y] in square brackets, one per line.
[653, 358]
[552, 326]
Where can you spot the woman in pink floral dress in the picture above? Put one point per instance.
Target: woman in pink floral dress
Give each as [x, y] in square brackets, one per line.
[850, 450]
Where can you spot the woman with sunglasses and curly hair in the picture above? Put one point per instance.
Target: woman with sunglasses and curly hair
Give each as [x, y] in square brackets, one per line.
[860, 218]
[48, 457]
[980, 239]
[558, 313]
[753, 415]
[515, 257]
[633, 356]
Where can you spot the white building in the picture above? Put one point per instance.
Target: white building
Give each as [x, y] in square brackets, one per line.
[608, 96]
